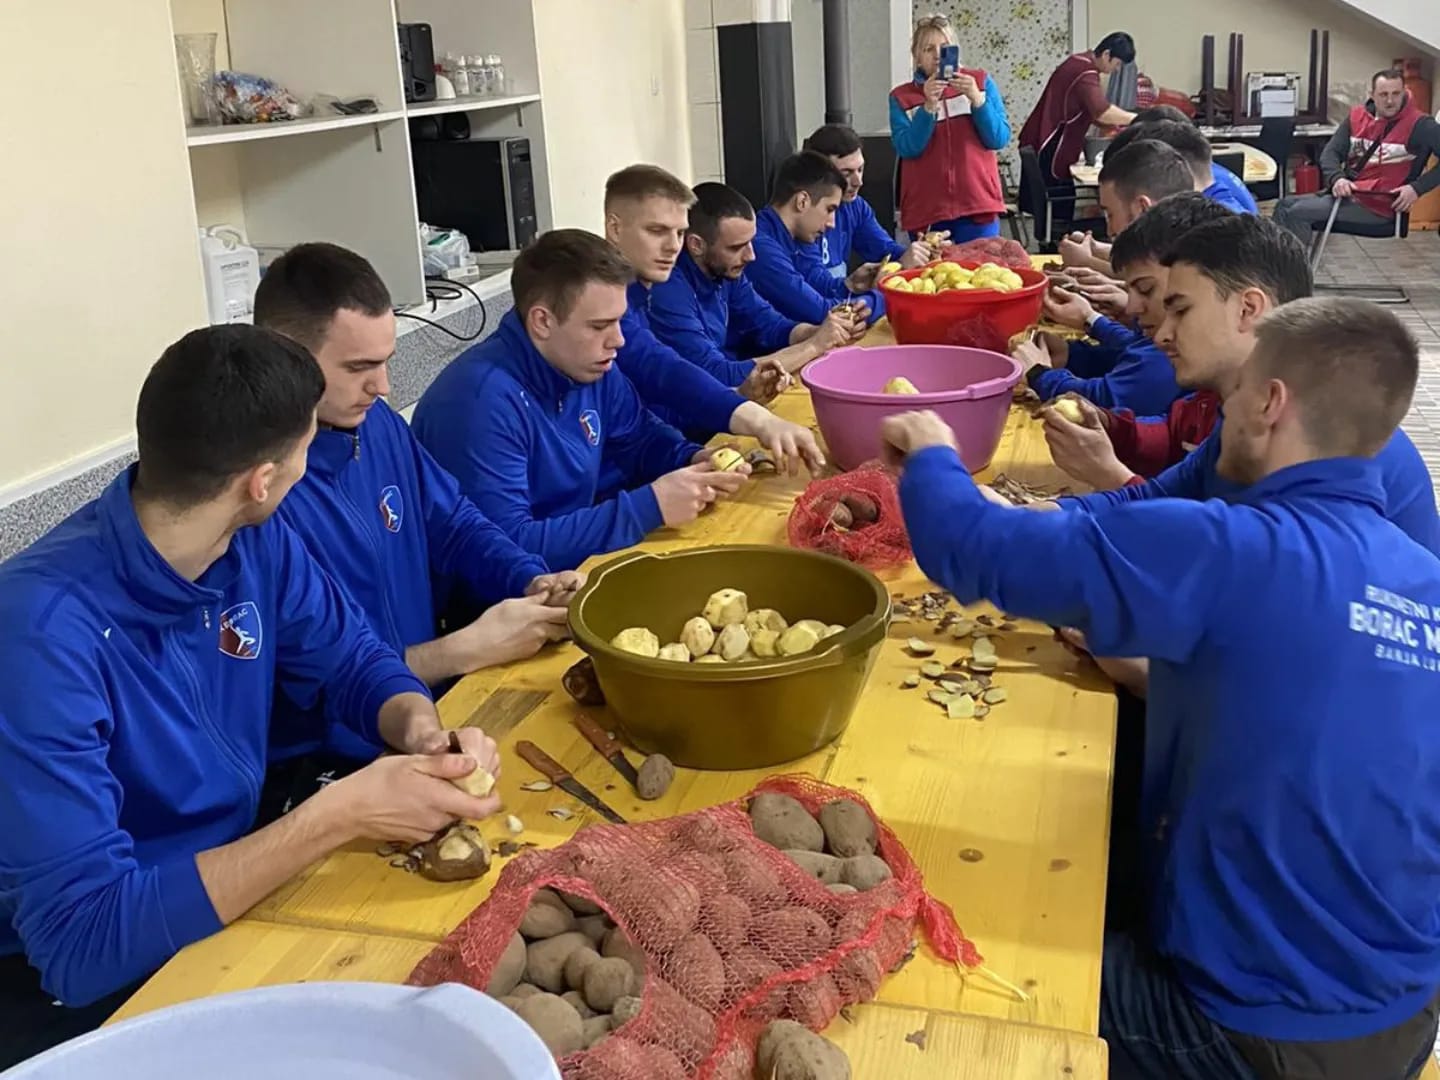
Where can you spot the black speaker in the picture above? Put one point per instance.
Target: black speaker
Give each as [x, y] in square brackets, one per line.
[417, 61]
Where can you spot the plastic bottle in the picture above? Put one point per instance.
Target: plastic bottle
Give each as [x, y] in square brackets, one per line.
[459, 74]
[498, 86]
[479, 76]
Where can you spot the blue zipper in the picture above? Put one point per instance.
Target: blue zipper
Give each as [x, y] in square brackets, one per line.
[203, 715]
[381, 576]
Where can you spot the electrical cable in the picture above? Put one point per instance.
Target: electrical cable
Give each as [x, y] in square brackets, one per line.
[437, 289]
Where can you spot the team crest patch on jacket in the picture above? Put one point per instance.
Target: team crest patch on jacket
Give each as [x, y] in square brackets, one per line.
[590, 424]
[392, 508]
[240, 631]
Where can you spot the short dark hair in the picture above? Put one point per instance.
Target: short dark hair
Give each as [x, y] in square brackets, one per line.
[1389, 73]
[555, 269]
[304, 288]
[806, 171]
[833, 140]
[1151, 236]
[218, 402]
[1161, 112]
[1352, 366]
[1243, 251]
[714, 202]
[1148, 167]
[1183, 136]
[1120, 45]
[646, 182]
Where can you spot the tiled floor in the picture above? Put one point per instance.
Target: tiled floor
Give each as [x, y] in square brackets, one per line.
[1414, 263]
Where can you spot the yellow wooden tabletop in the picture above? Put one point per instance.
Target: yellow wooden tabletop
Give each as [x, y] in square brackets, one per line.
[881, 1040]
[1023, 794]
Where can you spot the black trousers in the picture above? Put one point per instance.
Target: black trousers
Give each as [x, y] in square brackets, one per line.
[31, 1021]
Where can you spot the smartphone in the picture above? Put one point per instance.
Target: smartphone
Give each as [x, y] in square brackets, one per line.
[949, 61]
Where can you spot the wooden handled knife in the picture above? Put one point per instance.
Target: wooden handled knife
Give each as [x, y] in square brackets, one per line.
[609, 748]
[558, 775]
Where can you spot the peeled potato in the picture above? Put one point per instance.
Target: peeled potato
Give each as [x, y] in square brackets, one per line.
[637, 640]
[724, 608]
[478, 783]
[697, 636]
[1070, 409]
[900, 385]
[674, 651]
[732, 643]
[726, 459]
[765, 643]
[832, 630]
[815, 625]
[765, 619]
[800, 638]
[889, 267]
[710, 658]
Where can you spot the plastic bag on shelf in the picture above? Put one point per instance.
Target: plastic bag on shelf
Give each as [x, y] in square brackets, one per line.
[443, 249]
[253, 99]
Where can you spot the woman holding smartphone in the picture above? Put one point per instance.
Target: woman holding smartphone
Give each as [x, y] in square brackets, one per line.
[946, 124]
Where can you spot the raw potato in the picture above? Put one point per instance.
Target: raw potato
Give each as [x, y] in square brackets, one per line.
[865, 872]
[1070, 409]
[594, 927]
[654, 777]
[637, 640]
[784, 823]
[698, 972]
[616, 944]
[862, 508]
[477, 782]
[791, 1052]
[765, 619]
[711, 659]
[800, 638]
[791, 935]
[815, 1001]
[751, 877]
[547, 916]
[823, 868]
[626, 1009]
[697, 636]
[509, 969]
[726, 459]
[765, 643]
[849, 830]
[558, 1025]
[545, 960]
[726, 918]
[843, 889]
[900, 385]
[832, 630]
[607, 981]
[674, 651]
[525, 990]
[576, 1001]
[581, 684]
[457, 854]
[732, 643]
[841, 518]
[725, 608]
[858, 976]
[576, 964]
[747, 967]
[595, 1029]
[579, 904]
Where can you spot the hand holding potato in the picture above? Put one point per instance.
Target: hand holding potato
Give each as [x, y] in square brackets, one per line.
[790, 445]
[558, 589]
[409, 798]
[685, 493]
[1067, 308]
[917, 254]
[862, 278]
[1083, 449]
[513, 629]
[1031, 354]
[909, 433]
[766, 381]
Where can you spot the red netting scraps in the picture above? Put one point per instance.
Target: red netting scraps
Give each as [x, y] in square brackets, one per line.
[994, 249]
[734, 933]
[855, 516]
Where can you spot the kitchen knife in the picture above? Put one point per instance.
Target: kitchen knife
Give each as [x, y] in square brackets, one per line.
[558, 775]
[609, 748]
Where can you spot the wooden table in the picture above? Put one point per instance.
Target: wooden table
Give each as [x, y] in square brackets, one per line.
[1028, 788]
[1260, 167]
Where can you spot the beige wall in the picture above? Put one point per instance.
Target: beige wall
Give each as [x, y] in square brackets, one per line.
[612, 84]
[98, 263]
[216, 175]
[1277, 38]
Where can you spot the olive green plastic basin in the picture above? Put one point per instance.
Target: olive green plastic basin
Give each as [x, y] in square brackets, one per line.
[731, 716]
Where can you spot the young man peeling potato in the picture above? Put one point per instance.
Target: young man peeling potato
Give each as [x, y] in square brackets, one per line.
[1290, 828]
[150, 635]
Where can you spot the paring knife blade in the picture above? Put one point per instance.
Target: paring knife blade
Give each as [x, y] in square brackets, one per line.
[609, 748]
[558, 775]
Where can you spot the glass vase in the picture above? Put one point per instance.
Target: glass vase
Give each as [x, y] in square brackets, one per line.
[195, 53]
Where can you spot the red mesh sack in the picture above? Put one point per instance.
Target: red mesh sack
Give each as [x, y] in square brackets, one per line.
[814, 523]
[733, 932]
[995, 249]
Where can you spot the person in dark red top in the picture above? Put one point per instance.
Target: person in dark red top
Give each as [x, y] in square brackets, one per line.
[1218, 279]
[1374, 182]
[946, 133]
[1073, 99]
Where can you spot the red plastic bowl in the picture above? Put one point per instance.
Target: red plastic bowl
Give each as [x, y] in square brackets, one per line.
[969, 388]
[973, 318]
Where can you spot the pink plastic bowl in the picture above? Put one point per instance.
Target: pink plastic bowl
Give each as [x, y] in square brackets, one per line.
[969, 388]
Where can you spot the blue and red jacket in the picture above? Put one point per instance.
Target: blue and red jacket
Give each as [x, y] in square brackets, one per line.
[788, 275]
[1148, 445]
[1142, 378]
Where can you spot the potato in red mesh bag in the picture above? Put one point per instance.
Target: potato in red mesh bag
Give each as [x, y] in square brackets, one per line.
[855, 516]
[716, 932]
[999, 250]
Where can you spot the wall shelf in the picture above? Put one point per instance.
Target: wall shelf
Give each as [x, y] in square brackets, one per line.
[234, 133]
[469, 104]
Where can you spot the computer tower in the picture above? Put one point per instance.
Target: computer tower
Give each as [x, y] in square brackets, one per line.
[417, 61]
[483, 187]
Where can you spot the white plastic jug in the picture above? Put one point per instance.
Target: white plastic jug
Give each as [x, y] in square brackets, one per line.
[232, 274]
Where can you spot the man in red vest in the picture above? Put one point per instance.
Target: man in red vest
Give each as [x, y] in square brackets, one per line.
[1073, 99]
[1374, 162]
